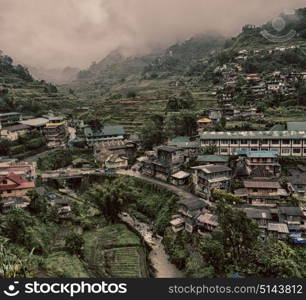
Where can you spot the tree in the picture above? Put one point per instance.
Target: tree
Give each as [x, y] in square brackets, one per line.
[131, 94]
[74, 243]
[152, 132]
[239, 233]
[209, 150]
[111, 197]
[11, 265]
[181, 124]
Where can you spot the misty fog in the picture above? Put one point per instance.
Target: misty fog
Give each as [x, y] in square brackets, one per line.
[60, 33]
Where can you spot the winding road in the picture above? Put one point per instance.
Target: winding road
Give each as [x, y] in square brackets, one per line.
[174, 189]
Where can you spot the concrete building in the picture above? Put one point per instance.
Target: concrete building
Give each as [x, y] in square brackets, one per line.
[13, 132]
[290, 142]
[56, 132]
[7, 119]
[209, 177]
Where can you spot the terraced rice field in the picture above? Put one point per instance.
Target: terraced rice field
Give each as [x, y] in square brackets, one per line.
[114, 251]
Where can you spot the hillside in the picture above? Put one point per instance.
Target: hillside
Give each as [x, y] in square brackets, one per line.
[20, 92]
[128, 90]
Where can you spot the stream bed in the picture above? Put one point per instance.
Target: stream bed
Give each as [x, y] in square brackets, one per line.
[158, 256]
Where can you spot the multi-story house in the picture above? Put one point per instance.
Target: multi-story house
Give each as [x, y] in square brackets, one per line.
[191, 147]
[13, 132]
[204, 124]
[209, 177]
[7, 119]
[262, 193]
[261, 163]
[297, 180]
[290, 142]
[56, 132]
[294, 217]
[169, 161]
[101, 133]
[13, 185]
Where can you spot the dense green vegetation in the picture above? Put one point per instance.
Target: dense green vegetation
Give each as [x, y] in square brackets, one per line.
[55, 160]
[26, 145]
[20, 92]
[235, 248]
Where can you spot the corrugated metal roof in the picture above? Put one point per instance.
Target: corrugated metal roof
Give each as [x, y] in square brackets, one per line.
[106, 130]
[262, 184]
[212, 158]
[249, 135]
[258, 154]
[296, 126]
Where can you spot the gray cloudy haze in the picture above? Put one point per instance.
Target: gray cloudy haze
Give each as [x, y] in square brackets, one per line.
[59, 33]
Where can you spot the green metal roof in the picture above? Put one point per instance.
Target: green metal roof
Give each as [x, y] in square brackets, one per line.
[184, 142]
[212, 158]
[104, 131]
[253, 135]
[258, 154]
[278, 127]
[296, 126]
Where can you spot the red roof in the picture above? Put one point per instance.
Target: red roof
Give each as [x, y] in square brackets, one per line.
[19, 183]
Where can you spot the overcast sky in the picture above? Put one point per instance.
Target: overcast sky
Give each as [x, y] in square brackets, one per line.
[59, 33]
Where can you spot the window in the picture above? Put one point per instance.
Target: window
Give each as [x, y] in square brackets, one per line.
[296, 142]
[4, 181]
[305, 151]
[286, 142]
[234, 142]
[244, 142]
[275, 142]
[224, 142]
[223, 150]
[254, 142]
[285, 151]
[296, 151]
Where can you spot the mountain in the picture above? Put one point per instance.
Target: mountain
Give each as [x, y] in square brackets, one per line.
[20, 92]
[57, 76]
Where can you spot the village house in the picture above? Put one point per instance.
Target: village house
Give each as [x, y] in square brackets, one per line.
[13, 132]
[278, 230]
[262, 193]
[209, 177]
[294, 217]
[100, 133]
[215, 115]
[180, 178]
[258, 164]
[190, 210]
[190, 146]
[212, 160]
[6, 161]
[297, 181]
[22, 168]
[56, 132]
[36, 123]
[13, 185]
[11, 203]
[206, 223]
[62, 205]
[177, 223]
[204, 124]
[115, 161]
[7, 119]
[124, 148]
[168, 161]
